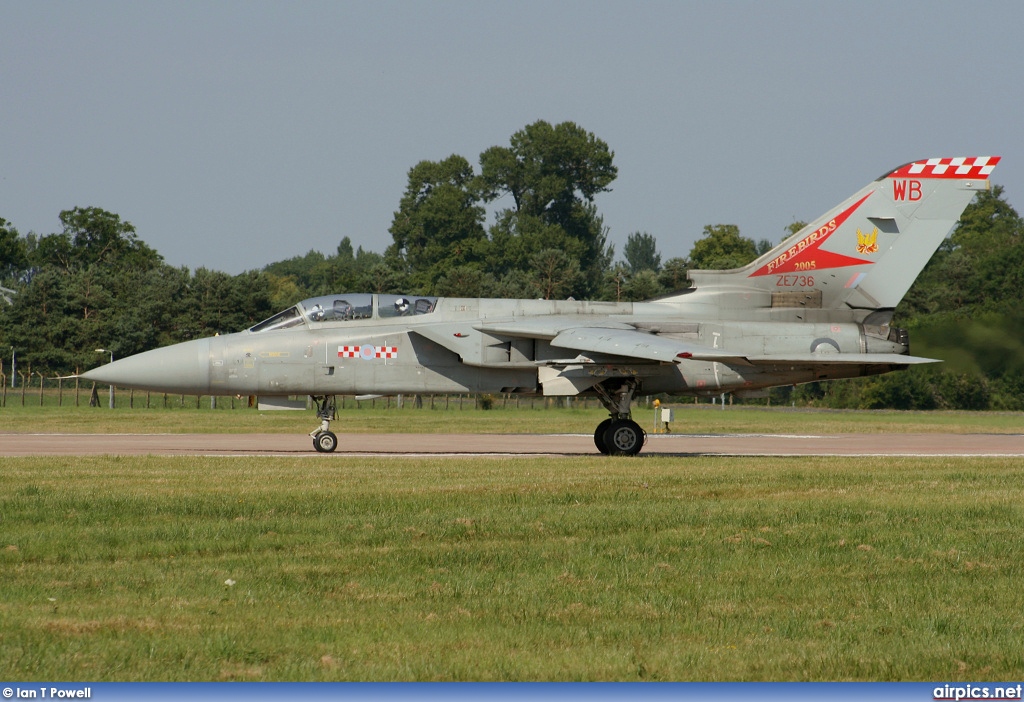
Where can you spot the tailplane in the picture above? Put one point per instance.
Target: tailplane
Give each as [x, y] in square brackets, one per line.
[864, 254]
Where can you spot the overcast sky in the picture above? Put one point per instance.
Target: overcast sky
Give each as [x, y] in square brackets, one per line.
[236, 134]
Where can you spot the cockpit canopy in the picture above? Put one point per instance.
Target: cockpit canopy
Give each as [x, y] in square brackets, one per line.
[346, 308]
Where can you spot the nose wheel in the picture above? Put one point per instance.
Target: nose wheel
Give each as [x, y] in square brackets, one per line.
[324, 440]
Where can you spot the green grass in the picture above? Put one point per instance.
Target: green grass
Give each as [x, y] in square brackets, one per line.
[692, 419]
[582, 568]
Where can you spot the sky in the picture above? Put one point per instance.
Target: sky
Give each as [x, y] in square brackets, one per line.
[233, 134]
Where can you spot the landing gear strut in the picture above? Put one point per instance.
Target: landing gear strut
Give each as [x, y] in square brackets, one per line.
[618, 435]
[324, 440]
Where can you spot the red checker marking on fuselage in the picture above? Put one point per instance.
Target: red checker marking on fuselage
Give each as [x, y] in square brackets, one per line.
[368, 352]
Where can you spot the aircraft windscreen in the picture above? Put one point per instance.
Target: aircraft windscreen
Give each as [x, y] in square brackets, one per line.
[282, 320]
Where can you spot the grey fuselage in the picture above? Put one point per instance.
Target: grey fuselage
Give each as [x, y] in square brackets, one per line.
[497, 346]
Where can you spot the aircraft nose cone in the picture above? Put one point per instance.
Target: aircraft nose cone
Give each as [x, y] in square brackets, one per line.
[182, 368]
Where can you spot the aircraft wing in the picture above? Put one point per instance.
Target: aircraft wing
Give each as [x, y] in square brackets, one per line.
[636, 344]
[545, 327]
[839, 358]
[626, 341]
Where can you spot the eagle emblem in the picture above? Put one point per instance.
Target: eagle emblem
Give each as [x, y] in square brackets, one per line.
[867, 243]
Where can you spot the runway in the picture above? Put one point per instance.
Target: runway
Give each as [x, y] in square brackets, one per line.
[475, 445]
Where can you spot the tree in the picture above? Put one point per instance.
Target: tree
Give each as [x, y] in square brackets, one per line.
[217, 303]
[792, 228]
[641, 253]
[298, 268]
[439, 224]
[345, 250]
[548, 170]
[13, 254]
[465, 281]
[988, 221]
[98, 236]
[554, 274]
[722, 248]
[673, 275]
[980, 267]
[642, 286]
[615, 282]
[552, 174]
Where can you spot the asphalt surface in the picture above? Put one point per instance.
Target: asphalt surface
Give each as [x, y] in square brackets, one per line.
[510, 445]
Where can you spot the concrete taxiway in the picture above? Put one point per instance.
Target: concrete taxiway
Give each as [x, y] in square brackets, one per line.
[510, 445]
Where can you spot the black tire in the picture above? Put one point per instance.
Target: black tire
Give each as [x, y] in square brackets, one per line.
[599, 436]
[325, 442]
[624, 437]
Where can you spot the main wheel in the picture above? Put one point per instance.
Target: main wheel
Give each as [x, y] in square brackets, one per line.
[599, 436]
[325, 442]
[624, 437]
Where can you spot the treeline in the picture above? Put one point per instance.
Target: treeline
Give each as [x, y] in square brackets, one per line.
[96, 284]
[549, 241]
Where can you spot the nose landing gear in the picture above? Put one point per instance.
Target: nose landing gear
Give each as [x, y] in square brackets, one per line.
[324, 440]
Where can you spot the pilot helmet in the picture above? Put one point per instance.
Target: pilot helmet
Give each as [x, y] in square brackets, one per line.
[402, 305]
[316, 313]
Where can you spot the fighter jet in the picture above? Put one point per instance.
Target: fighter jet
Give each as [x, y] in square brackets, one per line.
[816, 307]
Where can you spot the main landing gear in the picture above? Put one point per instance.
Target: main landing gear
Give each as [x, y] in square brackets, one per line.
[324, 440]
[618, 435]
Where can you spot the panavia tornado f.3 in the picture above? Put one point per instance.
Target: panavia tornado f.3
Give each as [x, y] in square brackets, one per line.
[816, 307]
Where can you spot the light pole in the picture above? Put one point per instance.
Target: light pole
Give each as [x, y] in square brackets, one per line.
[111, 385]
[14, 368]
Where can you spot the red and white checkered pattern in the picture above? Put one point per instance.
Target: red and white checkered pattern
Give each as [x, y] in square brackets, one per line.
[370, 352]
[973, 167]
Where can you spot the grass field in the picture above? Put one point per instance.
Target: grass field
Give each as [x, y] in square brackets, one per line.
[582, 568]
[693, 419]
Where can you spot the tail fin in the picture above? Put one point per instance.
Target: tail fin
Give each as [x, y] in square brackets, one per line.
[864, 254]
